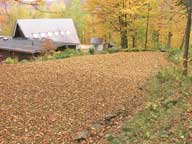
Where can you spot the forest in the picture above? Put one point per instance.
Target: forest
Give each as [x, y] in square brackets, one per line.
[95, 71]
[143, 23]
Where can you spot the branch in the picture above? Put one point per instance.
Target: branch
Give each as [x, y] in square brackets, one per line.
[35, 6]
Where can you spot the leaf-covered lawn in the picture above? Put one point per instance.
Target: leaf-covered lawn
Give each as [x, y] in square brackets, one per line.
[51, 101]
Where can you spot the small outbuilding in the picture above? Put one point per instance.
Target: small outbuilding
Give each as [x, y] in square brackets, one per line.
[97, 44]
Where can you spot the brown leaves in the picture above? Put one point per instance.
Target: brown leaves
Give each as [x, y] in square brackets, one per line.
[52, 101]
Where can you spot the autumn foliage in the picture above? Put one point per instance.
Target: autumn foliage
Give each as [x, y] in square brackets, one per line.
[137, 22]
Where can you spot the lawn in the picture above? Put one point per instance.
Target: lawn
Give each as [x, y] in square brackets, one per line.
[52, 101]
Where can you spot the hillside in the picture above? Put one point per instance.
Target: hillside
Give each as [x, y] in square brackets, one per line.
[52, 101]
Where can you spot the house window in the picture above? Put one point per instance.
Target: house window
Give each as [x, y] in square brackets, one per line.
[68, 32]
[36, 35]
[50, 34]
[43, 35]
[62, 33]
[56, 33]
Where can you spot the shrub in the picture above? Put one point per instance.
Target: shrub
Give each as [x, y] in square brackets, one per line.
[60, 55]
[24, 61]
[10, 60]
[132, 50]
[103, 52]
[168, 74]
[92, 51]
[72, 52]
[48, 47]
[175, 55]
[112, 50]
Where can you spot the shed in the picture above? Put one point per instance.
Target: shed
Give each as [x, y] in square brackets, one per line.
[97, 43]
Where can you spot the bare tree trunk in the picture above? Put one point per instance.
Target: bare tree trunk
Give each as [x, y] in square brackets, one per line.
[124, 31]
[169, 40]
[133, 41]
[147, 28]
[124, 39]
[187, 39]
[183, 40]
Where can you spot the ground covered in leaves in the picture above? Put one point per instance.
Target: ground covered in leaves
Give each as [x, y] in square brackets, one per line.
[51, 102]
[166, 117]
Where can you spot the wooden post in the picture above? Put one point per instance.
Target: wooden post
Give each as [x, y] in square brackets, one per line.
[1, 59]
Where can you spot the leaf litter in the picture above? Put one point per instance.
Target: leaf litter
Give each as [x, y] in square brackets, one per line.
[44, 102]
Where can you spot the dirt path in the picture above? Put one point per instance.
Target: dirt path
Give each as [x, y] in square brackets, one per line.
[51, 101]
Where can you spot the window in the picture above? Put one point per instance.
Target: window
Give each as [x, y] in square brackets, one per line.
[62, 33]
[50, 34]
[43, 35]
[56, 33]
[35, 35]
[68, 32]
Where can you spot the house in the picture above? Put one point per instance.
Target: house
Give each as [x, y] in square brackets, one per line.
[28, 36]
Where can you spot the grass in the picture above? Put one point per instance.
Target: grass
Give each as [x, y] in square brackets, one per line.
[167, 116]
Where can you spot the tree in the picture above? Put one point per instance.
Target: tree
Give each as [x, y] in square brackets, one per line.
[76, 12]
[13, 10]
[188, 6]
[119, 15]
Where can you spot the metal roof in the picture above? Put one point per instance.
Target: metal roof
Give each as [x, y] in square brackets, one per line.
[21, 45]
[59, 30]
[98, 41]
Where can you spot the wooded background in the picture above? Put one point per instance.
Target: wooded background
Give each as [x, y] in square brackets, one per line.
[126, 23]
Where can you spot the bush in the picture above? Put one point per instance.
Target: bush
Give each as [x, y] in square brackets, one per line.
[92, 51]
[131, 50]
[170, 74]
[24, 61]
[48, 47]
[138, 49]
[10, 60]
[112, 50]
[73, 52]
[103, 52]
[61, 55]
[175, 55]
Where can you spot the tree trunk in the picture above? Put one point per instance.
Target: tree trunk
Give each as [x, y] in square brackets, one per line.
[169, 40]
[123, 24]
[124, 39]
[133, 41]
[187, 40]
[183, 40]
[147, 28]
